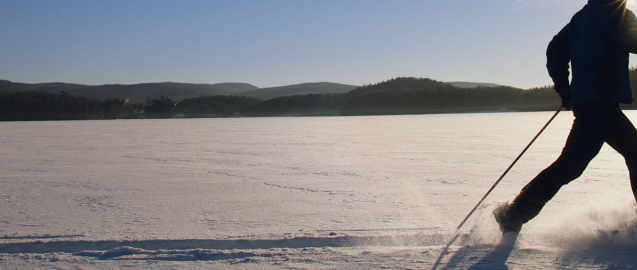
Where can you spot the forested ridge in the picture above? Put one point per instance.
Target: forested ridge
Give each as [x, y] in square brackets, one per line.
[138, 93]
[404, 95]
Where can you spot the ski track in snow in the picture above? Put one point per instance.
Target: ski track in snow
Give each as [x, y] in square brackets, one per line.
[336, 252]
[607, 247]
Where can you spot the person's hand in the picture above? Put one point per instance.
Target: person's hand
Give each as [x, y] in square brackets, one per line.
[565, 95]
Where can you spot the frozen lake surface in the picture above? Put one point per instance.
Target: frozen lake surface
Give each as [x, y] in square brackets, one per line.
[301, 193]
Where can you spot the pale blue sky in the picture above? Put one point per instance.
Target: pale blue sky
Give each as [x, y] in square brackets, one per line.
[278, 42]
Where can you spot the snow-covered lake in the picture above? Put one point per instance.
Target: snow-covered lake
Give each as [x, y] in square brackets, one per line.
[301, 193]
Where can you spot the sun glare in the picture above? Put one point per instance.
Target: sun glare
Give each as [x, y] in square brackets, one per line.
[630, 4]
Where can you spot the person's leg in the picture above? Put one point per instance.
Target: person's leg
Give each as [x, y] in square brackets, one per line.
[581, 147]
[583, 143]
[623, 138]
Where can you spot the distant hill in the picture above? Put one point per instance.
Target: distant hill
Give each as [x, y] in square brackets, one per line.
[402, 84]
[56, 87]
[176, 91]
[300, 89]
[403, 95]
[408, 95]
[473, 84]
[133, 92]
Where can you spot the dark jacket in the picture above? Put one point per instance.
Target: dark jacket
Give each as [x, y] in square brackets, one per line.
[596, 42]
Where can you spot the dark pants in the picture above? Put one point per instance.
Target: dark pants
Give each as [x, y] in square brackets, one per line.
[594, 125]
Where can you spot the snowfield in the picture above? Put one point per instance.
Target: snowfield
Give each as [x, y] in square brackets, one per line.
[378, 192]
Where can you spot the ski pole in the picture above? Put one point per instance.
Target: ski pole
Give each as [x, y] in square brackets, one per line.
[507, 170]
[456, 233]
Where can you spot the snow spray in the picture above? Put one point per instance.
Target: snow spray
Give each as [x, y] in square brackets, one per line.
[456, 234]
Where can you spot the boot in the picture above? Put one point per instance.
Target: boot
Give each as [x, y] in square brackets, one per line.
[507, 220]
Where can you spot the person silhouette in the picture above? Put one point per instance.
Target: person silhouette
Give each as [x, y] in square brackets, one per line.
[596, 42]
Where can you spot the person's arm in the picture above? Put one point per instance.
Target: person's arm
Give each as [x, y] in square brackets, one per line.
[627, 36]
[558, 57]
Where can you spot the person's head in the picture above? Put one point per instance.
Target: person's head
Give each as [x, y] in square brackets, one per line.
[608, 1]
[615, 9]
[619, 3]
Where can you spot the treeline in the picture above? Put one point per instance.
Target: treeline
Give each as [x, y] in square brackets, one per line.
[46, 106]
[396, 96]
[27, 106]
